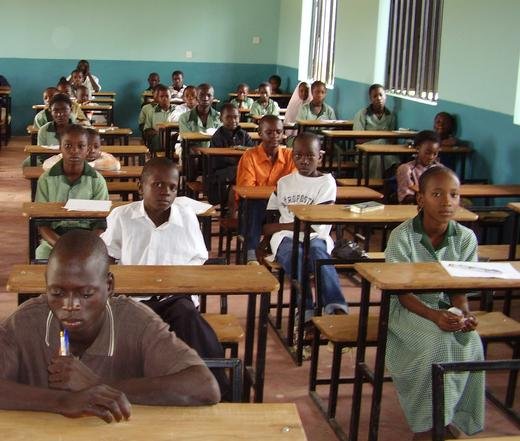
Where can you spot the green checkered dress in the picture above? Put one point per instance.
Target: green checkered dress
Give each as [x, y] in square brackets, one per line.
[414, 343]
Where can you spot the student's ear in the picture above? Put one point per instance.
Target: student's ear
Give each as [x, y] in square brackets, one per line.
[320, 157]
[420, 200]
[110, 284]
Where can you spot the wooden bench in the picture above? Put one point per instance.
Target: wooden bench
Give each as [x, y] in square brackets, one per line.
[228, 330]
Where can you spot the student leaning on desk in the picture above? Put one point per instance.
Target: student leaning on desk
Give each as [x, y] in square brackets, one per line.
[119, 351]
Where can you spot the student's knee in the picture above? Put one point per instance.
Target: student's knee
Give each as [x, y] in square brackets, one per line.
[43, 250]
[318, 249]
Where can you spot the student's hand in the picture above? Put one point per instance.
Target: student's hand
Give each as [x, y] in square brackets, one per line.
[148, 133]
[102, 401]
[69, 373]
[414, 188]
[471, 322]
[447, 321]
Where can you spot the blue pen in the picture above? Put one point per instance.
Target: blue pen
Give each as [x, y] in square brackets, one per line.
[64, 343]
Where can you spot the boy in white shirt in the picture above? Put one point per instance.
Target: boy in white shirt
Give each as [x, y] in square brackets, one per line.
[163, 230]
[306, 187]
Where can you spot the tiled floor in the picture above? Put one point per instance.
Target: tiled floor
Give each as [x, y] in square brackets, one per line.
[285, 382]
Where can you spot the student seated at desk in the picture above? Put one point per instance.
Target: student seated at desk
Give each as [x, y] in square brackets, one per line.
[96, 158]
[83, 98]
[203, 118]
[409, 173]
[300, 96]
[77, 80]
[70, 178]
[264, 105]
[421, 330]
[178, 87]
[310, 187]
[65, 87]
[160, 113]
[61, 112]
[260, 166]
[190, 102]
[377, 117]
[44, 116]
[153, 80]
[275, 81]
[242, 101]
[146, 110]
[317, 108]
[89, 80]
[163, 230]
[445, 126]
[118, 352]
[223, 173]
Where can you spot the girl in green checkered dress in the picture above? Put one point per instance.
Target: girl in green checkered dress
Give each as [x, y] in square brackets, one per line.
[421, 330]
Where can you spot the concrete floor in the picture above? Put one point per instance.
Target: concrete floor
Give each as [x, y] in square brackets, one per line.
[285, 382]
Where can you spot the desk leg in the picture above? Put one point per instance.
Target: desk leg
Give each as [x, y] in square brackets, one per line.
[360, 358]
[379, 370]
[329, 150]
[33, 239]
[304, 294]
[249, 343]
[360, 167]
[294, 281]
[367, 169]
[261, 347]
[34, 184]
[514, 238]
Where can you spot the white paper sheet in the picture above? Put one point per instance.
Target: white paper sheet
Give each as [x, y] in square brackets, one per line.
[197, 206]
[87, 205]
[497, 270]
[51, 147]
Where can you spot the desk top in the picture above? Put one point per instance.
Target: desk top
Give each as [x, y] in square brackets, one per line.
[426, 276]
[55, 210]
[133, 171]
[103, 93]
[87, 106]
[103, 130]
[515, 206]
[103, 99]
[403, 148]
[199, 136]
[247, 192]
[374, 134]
[5, 90]
[220, 151]
[488, 190]
[112, 149]
[248, 125]
[164, 125]
[221, 422]
[257, 95]
[165, 279]
[390, 214]
[325, 123]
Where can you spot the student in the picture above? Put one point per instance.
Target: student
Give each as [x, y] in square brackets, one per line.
[377, 117]
[309, 187]
[408, 174]
[61, 113]
[190, 101]
[177, 88]
[445, 126]
[242, 101]
[77, 80]
[163, 230]
[44, 116]
[153, 80]
[120, 352]
[317, 108]
[275, 81]
[300, 96]
[162, 112]
[264, 105]
[203, 118]
[70, 178]
[66, 88]
[96, 158]
[91, 81]
[82, 96]
[420, 329]
[260, 166]
[146, 110]
[223, 173]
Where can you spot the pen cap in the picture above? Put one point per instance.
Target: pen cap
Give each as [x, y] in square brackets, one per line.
[456, 311]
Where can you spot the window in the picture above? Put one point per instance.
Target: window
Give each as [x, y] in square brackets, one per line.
[413, 48]
[317, 41]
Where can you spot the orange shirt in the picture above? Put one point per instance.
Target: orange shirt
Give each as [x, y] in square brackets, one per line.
[255, 169]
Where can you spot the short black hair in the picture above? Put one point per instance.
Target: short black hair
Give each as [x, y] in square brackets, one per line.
[425, 136]
[307, 136]
[264, 84]
[81, 87]
[63, 80]
[317, 84]
[374, 87]
[50, 89]
[227, 107]
[160, 88]
[204, 86]
[243, 85]
[277, 78]
[178, 72]
[76, 71]
[190, 87]
[60, 98]
[74, 128]
[268, 118]
[451, 118]
[152, 74]
[155, 163]
[435, 171]
[92, 132]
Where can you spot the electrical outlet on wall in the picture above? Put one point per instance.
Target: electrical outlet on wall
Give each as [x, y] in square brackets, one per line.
[256, 40]
[189, 54]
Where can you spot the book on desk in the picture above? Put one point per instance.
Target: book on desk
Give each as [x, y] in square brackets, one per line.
[365, 207]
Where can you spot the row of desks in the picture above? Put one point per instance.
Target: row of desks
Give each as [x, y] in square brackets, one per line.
[108, 133]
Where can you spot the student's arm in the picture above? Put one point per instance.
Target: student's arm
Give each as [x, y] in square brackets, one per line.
[95, 85]
[405, 185]
[184, 125]
[255, 110]
[113, 235]
[331, 113]
[99, 188]
[41, 139]
[246, 175]
[248, 142]
[276, 108]
[360, 120]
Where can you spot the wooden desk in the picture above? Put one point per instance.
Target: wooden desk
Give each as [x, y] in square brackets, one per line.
[104, 93]
[38, 212]
[307, 215]
[351, 136]
[102, 100]
[515, 206]
[172, 279]
[281, 98]
[341, 124]
[108, 133]
[224, 421]
[124, 151]
[130, 172]
[365, 151]
[489, 191]
[249, 126]
[395, 279]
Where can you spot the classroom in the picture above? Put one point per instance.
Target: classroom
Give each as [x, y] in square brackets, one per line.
[196, 139]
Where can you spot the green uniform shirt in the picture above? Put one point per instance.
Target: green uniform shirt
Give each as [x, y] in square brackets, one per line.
[272, 108]
[42, 118]
[190, 122]
[246, 104]
[47, 134]
[145, 111]
[306, 113]
[156, 116]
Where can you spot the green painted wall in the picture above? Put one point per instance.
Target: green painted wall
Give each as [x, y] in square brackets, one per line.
[289, 32]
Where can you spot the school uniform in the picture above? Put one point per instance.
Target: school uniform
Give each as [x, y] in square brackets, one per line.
[179, 110]
[259, 110]
[133, 342]
[78, 114]
[54, 186]
[42, 118]
[48, 135]
[366, 119]
[306, 112]
[105, 162]
[132, 238]
[191, 122]
[153, 117]
[144, 113]
[414, 343]
[408, 174]
[88, 84]
[177, 94]
[246, 104]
